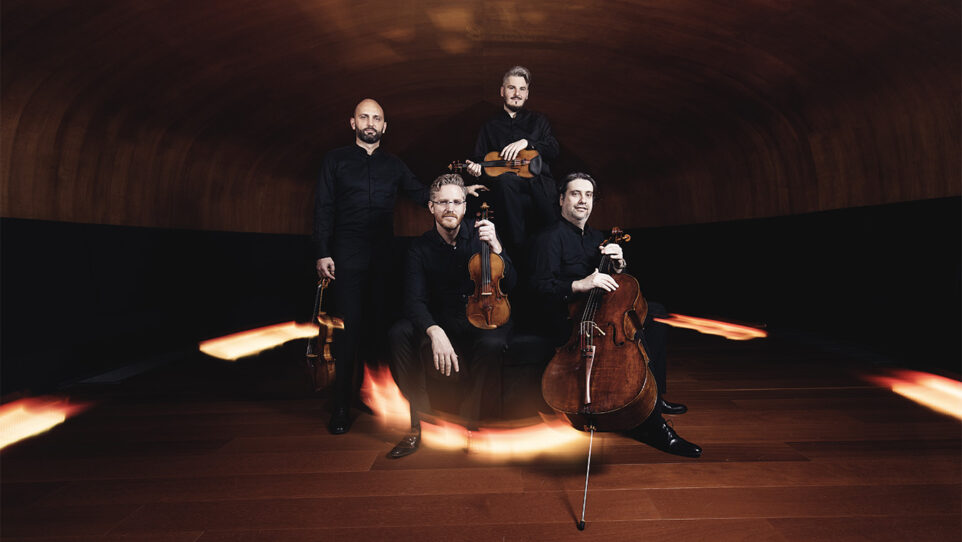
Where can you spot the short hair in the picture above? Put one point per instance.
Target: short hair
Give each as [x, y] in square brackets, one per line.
[446, 179]
[517, 71]
[563, 186]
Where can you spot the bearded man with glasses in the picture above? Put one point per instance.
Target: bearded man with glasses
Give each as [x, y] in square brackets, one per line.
[437, 287]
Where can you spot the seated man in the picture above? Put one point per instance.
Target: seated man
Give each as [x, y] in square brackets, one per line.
[565, 264]
[437, 287]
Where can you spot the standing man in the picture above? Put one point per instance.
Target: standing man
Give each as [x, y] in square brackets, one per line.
[353, 228]
[565, 267]
[524, 205]
[437, 287]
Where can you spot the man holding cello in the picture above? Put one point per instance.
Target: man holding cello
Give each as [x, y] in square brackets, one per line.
[439, 279]
[565, 267]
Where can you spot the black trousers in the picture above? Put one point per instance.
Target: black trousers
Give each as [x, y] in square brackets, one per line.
[358, 298]
[479, 351]
[522, 207]
[654, 337]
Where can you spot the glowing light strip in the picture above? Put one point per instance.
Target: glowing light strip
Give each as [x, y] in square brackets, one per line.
[382, 395]
[526, 442]
[28, 417]
[248, 343]
[380, 392]
[728, 330]
[936, 392]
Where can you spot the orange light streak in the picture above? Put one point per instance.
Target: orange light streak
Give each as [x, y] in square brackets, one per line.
[28, 417]
[382, 395]
[936, 392]
[553, 437]
[444, 435]
[728, 330]
[247, 343]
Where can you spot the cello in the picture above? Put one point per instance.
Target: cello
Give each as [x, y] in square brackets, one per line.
[488, 306]
[319, 363]
[600, 379]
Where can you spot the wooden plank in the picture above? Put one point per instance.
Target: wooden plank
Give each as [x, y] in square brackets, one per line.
[187, 432]
[63, 521]
[694, 427]
[70, 448]
[631, 452]
[25, 494]
[875, 448]
[333, 484]
[139, 537]
[812, 501]
[837, 472]
[399, 511]
[737, 530]
[947, 528]
[174, 467]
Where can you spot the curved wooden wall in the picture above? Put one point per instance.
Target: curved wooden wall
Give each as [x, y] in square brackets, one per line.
[215, 114]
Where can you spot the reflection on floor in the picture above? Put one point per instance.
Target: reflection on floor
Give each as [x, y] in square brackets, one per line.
[798, 446]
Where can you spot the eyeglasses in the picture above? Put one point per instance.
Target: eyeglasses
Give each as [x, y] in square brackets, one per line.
[447, 202]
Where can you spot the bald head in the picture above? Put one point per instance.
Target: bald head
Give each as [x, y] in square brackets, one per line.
[368, 104]
[368, 123]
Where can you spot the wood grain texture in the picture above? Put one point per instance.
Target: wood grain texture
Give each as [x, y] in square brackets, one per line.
[781, 463]
[216, 116]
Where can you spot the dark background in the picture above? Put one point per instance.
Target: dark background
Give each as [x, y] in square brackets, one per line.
[882, 282]
[795, 164]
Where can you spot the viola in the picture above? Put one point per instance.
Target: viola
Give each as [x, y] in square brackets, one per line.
[320, 360]
[488, 306]
[527, 164]
[600, 380]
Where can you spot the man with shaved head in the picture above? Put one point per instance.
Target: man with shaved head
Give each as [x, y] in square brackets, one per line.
[353, 227]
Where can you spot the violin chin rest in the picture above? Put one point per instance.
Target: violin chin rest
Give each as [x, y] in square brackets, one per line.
[535, 166]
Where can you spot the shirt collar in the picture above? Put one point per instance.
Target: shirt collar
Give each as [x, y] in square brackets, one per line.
[579, 231]
[361, 150]
[464, 234]
[520, 114]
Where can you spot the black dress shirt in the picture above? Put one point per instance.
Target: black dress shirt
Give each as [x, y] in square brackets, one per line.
[503, 129]
[561, 254]
[437, 283]
[354, 204]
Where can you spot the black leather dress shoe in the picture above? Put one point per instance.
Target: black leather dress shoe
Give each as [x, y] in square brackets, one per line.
[671, 408]
[340, 421]
[665, 439]
[408, 445]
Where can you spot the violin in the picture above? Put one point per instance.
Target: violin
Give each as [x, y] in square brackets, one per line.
[488, 306]
[600, 380]
[320, 360]
[527, 164]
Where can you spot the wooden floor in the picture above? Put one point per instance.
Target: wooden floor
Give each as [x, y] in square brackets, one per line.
[797, 447]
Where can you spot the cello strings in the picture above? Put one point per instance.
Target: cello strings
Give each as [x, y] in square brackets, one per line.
[593, 303]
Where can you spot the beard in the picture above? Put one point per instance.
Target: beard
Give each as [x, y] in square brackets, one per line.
[457, 224]
[513, 108]
[368, 138]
